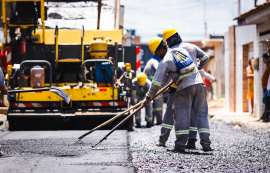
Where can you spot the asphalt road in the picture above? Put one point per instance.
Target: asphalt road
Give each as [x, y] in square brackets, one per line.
[56, 151]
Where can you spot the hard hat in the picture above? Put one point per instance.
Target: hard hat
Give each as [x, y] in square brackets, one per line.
[141, 78]
[128, 66]
[1, 46]
[154, 43]
[168, 32]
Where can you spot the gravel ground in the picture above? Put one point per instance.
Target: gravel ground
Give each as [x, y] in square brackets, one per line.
[236, 149]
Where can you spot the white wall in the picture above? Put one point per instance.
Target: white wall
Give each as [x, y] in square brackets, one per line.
[226, 70]
[243, 35]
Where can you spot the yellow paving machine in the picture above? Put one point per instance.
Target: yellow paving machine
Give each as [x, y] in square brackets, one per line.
[83, 63]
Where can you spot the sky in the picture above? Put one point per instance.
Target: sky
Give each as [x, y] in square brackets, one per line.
[150, 17]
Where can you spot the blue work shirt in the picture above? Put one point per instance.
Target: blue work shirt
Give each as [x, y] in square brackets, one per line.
[2, 78]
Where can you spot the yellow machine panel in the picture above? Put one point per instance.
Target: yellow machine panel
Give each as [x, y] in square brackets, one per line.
[74, 36]
[99, 48]
[92, 94]
[76, 94]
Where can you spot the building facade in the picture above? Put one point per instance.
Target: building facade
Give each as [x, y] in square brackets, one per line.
[242, 42]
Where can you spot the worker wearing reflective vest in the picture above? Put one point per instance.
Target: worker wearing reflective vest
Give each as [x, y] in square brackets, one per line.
[4, 91]
[140, 86]
[190, 94]
[150, 70]
[196, 54]
[167, 122]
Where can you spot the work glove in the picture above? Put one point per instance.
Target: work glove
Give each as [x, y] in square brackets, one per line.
[146, 101]
[172, 89]
[4, 90]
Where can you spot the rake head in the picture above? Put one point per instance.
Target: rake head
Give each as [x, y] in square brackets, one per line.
[60, 93]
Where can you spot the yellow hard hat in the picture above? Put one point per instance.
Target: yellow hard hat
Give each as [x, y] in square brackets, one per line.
[1, 46]
[168, 32]
[128, 66]
[141, 78]
[154, 43]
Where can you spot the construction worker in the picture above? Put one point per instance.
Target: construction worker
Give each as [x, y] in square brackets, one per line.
[150, 70]
[168, 116]
[167, 123]
[4, 91]
[3, 58]
[190, 94]
[140, 86]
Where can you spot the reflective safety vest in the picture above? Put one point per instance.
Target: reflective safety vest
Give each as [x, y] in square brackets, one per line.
[183, 62]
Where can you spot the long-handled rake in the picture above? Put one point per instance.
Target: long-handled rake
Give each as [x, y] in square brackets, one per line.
[110, 120]
[129, 116]
[122, 113]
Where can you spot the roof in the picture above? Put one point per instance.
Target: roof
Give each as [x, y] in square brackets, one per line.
[216, 36]
[197, 43]
[212, 40]
[70, 0]
[253, 11]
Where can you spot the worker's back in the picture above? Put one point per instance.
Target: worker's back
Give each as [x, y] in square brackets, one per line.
[193, 51]
[151, 67]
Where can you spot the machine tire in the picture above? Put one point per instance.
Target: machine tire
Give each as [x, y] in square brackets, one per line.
[12, 125]
[130, 124]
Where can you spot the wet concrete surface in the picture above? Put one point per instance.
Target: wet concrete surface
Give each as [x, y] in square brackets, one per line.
[236, 150]
[56, 151]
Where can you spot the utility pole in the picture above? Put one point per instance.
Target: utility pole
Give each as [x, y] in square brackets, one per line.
[129, 38]
[205, 24]
[99, 11]
[239, 7]
[117, 14]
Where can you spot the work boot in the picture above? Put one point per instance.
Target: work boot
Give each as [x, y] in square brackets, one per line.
[177, 149]
[265, 118]
[206, 144]
[148, 125]
[1, 154]
[138, 125]
[160, 144]
[191, 144]
[207, 148]
[158, 123]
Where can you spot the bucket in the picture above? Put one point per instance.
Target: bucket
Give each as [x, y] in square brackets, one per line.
[104, 74]
[37, 77]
